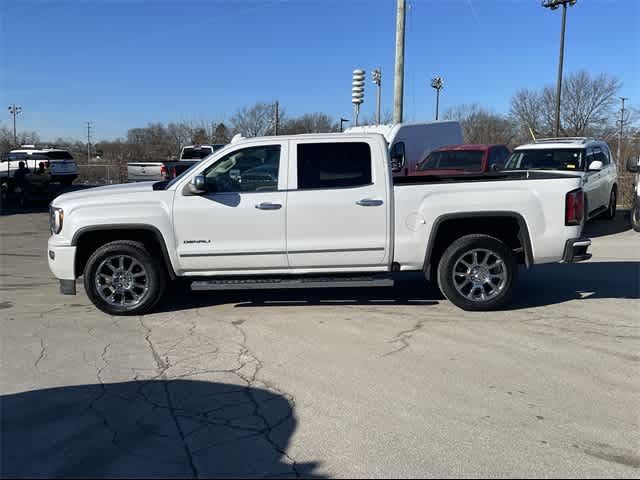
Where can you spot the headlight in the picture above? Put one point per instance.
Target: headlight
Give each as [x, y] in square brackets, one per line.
[56, 218]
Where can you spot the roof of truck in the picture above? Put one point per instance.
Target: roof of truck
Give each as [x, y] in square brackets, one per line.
[561, 142]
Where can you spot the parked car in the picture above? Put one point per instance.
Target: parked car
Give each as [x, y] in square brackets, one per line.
[633, 165]
[456, 159]
[414, 141]
[313, 210]
[589, 158]
[166, 170]
[59, 163]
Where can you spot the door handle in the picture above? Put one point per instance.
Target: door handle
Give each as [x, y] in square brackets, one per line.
[368, 202]
[268, 206]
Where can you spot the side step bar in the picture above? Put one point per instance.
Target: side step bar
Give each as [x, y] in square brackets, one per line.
[295, 282]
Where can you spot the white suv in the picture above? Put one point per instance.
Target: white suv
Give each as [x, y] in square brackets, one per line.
[588, 157]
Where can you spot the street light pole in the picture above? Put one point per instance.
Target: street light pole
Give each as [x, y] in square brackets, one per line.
[15, 110]
[377, 79]
[554, 4]
[437, 83]
[342, 120]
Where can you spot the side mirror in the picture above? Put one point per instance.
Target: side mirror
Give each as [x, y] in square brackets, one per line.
[198, 185]
[633, 165]
[495, 167]
[397, 157]
[595, 166]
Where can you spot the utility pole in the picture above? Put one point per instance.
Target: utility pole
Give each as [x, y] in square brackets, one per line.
[437, 83]
[276, 120]
[621, 130]
[377, 79]
[398, 92]
[15, 110]
[553, 5]
[88, 142]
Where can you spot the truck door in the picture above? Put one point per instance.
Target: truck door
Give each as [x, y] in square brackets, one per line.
[238, 224]
[337, 211]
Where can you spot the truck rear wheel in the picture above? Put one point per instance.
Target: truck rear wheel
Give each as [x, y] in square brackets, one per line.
[122, 278]
[477, 272]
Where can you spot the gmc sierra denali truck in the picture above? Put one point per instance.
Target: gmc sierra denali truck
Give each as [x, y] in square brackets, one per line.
[313, 211]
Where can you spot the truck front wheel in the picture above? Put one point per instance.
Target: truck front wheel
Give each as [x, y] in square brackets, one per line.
[477, 272]
[122, 278]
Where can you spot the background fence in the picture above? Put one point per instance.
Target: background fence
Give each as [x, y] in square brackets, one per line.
[105, 174]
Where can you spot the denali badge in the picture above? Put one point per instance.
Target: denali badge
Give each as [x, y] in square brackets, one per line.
[197, 241]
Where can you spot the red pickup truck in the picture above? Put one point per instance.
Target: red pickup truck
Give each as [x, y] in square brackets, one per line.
[454, 159]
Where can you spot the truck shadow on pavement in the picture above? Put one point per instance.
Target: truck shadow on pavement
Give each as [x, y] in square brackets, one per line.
[162, 429]
[543, 285]
[601, 228]
[550, 284]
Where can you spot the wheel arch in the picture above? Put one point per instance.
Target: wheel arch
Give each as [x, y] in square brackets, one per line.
[481, 223]
[87, 239]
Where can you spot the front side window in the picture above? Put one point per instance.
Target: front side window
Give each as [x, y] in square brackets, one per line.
[547, 159]
[463, 160]
[253, 169]
[334, 165]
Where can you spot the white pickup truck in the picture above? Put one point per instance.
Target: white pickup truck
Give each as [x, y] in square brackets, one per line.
[313, 211]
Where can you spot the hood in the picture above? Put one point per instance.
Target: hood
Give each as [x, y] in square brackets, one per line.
[103, 192]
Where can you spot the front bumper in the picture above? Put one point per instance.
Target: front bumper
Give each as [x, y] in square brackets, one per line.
[62, 263]
[575, 250]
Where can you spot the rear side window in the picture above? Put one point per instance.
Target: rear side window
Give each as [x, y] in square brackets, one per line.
[196, 153]
[334, 165]
[464, 160]
[59, 155]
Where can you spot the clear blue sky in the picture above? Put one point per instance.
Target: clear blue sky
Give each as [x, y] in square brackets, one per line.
[123, 64]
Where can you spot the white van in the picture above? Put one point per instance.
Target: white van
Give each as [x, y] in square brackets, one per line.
[415, 140]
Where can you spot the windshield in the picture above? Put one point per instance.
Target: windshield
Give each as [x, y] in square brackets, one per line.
[192, 153]
[465, 160]
[186, 172]
[547, 159]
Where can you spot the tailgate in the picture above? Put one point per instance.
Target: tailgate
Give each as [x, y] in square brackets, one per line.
[144, 172]
[63, 168]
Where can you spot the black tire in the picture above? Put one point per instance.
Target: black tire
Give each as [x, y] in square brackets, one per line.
[610, 214]
[635, 215]
[153, 274]
[462, 249]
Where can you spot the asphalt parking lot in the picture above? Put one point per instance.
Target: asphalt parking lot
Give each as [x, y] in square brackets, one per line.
[333, 383]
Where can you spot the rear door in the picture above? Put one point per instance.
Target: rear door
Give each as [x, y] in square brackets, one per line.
[337, 212]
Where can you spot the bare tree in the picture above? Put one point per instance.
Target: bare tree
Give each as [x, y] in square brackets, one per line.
[254, 121]
[586, 107]
[221, 134]
[310, 123]
[587, 103]
[480, 125]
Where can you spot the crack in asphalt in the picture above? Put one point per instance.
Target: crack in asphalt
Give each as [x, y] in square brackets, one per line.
[403, 338]
[43, 353]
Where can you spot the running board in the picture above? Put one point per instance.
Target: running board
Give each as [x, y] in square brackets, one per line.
[296, 282]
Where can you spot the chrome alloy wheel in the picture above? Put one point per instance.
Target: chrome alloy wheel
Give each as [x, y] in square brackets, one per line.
[121, 280]
[479, 275]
